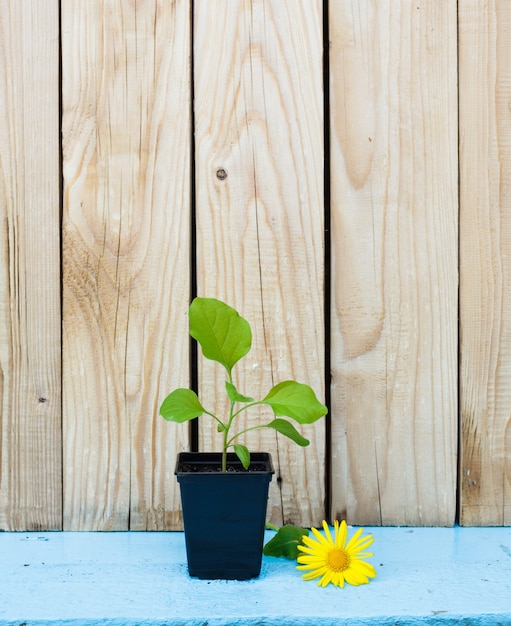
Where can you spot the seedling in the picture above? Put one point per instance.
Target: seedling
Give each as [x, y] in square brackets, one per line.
[226, 337]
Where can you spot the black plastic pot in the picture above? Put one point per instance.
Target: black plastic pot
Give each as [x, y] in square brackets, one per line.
[224, 513]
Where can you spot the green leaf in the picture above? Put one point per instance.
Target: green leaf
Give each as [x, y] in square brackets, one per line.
[295, 400]
[286, 428]
[234, 395]
[180, 406]
[223, 334]
[285, 542]
[243, 454]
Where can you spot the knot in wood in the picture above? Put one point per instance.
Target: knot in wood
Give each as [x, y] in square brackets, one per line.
[221, 174]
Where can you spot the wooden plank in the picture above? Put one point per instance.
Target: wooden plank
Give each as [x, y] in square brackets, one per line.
[126, 250]
[394, 261]
[30, 415]
[259, 186]
[485, 262]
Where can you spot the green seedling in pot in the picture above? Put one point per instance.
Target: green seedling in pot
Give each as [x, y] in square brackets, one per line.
[226, 337]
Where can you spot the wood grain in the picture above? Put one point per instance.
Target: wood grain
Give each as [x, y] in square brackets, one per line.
[394, 261]
[260, 216]
[126, 251]
[30, 414]
[485, 262]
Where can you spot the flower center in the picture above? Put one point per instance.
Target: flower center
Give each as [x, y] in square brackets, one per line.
[338, 560]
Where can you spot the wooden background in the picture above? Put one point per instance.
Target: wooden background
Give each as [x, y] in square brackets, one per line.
[338, 171]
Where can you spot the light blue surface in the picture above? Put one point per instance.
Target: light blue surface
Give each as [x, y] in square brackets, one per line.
[425, 576]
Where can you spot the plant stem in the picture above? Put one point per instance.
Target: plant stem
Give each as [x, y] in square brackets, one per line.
[242, 432]
[224, 452]
[226, 431]
[225, 446]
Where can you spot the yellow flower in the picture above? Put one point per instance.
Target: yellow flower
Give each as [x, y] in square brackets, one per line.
[335, 560]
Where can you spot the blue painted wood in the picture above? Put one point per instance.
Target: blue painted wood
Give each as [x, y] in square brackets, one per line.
[442, 576]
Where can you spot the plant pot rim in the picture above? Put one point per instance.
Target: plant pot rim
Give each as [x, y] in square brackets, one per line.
[201, 460]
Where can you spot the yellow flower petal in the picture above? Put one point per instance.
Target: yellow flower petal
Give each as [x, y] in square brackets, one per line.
[320, 538]
[307, 550]
[365, 568]
[310, 560]
[342, 533]
[354, 577]
[338, 579]
[355, 536]
[310, 575]
[328, 534]
[314, 574]
[361, 544]
[364, 555]
[327, 578]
